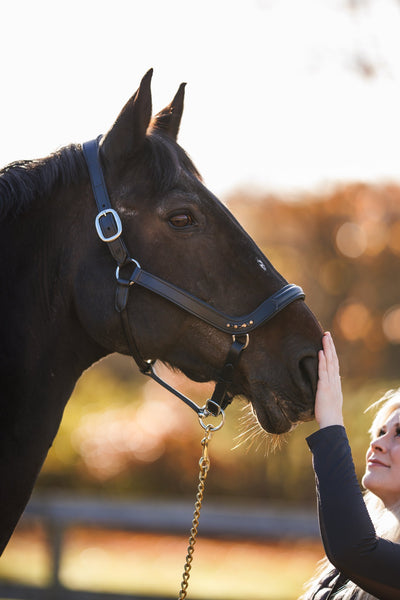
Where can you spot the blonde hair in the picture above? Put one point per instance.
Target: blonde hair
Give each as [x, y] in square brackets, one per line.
[386, 405]
[386, 521]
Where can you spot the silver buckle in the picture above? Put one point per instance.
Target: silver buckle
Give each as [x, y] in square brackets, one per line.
[117, 220]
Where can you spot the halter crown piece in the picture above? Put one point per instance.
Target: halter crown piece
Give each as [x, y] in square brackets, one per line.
[128, 272]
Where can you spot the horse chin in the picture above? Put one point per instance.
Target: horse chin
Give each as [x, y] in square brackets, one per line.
[271, 415]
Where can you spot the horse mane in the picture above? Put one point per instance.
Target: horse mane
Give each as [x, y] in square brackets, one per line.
[23, 181]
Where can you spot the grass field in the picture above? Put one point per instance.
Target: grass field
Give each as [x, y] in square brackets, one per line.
[150, 564]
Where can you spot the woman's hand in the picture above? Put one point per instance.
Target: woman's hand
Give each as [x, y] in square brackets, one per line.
[329, 398]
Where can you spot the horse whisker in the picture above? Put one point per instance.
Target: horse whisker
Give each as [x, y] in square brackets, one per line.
[253, 436]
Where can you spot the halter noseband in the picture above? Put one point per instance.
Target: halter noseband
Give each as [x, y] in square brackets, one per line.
[109, 229]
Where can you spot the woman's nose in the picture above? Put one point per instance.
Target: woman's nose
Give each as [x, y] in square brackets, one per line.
[378, 445]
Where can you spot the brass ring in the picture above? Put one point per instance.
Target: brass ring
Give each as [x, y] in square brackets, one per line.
[246, 342]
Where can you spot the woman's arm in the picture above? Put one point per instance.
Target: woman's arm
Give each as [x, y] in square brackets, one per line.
[347, 531]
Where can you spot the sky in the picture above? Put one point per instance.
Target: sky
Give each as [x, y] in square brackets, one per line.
[282, 95]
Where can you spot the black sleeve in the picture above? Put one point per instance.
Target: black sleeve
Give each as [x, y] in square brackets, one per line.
[347, 531]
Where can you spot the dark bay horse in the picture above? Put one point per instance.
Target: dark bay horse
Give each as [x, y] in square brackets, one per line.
[58, 288]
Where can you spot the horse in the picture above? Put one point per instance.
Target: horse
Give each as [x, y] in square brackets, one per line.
[62, 258]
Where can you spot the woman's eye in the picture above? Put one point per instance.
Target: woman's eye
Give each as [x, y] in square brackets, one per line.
[181, 220]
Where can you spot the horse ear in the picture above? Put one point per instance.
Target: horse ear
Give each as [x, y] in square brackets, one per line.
[169, 119]
[129, 130]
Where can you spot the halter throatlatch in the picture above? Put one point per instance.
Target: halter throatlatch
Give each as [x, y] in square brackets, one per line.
[129, 272]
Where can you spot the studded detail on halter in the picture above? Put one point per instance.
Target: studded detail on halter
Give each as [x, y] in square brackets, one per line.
[109, 229]
[242, 326]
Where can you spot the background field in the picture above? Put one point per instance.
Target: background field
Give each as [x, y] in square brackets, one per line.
[96, 560]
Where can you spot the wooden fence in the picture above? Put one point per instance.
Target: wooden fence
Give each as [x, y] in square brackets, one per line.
[57, 514]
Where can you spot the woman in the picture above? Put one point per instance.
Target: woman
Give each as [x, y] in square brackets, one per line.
[362, 549]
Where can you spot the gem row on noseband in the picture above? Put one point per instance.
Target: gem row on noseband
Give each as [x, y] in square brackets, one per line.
[243, 326]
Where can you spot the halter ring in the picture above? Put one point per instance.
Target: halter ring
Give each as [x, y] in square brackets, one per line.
[127, 282]
[246, 342]
[203, 414]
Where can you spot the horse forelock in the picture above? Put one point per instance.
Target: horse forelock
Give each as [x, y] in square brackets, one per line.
[21, 182]
[165, 160]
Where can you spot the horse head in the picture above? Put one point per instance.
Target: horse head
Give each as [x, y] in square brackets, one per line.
[176, 229]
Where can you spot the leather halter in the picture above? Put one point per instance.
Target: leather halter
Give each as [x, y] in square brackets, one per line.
[109, 229]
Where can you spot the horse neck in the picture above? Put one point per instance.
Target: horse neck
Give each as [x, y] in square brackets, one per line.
[43, 348]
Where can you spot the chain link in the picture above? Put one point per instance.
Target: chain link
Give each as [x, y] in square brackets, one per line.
[204, 464]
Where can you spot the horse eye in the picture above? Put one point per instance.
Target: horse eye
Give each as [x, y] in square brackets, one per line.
[181, 220]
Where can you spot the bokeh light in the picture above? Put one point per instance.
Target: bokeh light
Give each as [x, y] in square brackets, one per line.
[394, 238]
[354, 320]
[376, 237]
[391, 324]
[351, 240]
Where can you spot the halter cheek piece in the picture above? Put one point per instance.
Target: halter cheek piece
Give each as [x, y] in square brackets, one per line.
[109, 229]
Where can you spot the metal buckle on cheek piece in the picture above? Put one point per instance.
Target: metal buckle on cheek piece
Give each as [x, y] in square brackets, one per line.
[117, 221]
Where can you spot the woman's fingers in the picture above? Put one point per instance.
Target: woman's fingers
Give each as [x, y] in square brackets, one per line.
[328, 401]
[321, 363]
[332, 362]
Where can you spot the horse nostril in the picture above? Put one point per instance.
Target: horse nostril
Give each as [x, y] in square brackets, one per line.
[308, 367]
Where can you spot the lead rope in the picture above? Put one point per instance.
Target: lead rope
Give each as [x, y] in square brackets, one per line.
[204, 463]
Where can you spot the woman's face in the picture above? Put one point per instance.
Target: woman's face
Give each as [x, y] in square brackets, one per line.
[382, 475]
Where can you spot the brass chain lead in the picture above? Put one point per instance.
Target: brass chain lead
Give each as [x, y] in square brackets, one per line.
[204, 468]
